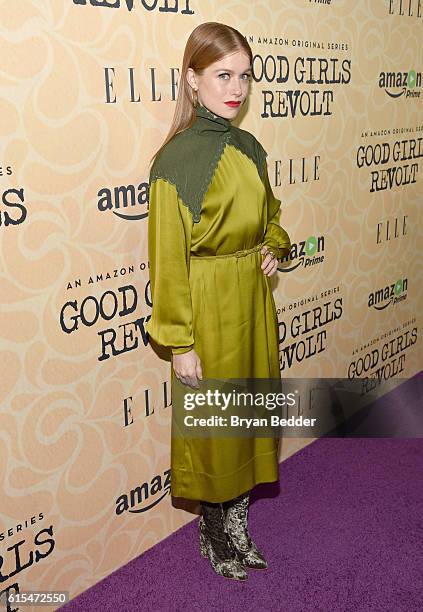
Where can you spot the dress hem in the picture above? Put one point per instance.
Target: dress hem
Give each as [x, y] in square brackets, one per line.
[218, 489]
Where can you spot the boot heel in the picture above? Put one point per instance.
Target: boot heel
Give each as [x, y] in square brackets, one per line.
[203, 547]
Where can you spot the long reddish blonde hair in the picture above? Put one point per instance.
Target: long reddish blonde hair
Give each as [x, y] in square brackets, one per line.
[208, 43]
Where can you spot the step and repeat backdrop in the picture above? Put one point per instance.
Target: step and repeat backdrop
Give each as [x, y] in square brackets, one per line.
[88, 90]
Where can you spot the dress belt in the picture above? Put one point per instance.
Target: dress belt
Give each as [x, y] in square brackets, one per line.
[240, 253]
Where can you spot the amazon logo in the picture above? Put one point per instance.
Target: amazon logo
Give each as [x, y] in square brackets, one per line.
[145, 496]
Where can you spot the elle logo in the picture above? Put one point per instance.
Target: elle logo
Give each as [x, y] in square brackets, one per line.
[410, 8]
[390, 229]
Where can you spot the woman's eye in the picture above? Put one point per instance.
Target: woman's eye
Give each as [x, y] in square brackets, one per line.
[245, 75]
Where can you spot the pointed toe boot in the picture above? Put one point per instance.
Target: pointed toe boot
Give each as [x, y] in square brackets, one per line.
[235, 514]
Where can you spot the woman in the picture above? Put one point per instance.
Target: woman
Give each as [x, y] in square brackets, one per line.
[214, 240]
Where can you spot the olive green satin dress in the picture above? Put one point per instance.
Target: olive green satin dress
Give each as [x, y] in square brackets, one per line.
[209, 293]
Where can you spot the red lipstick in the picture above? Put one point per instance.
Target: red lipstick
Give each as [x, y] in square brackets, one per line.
[233, 104]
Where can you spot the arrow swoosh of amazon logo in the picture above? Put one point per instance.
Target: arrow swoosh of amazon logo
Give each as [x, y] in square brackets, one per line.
[155, 502]
[396, 95]
[300, 262]
[131, 217]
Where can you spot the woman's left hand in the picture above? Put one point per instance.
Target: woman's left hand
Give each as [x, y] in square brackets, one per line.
[270, 262]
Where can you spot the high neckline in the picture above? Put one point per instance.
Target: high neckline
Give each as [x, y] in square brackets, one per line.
[209, 121]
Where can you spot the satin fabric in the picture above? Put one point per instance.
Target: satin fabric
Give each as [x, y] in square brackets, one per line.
[221, 306]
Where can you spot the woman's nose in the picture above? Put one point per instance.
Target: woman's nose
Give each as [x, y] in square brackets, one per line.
[236, 87]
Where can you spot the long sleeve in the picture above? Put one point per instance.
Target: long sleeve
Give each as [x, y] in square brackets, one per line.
[169, 241]
[275, 237]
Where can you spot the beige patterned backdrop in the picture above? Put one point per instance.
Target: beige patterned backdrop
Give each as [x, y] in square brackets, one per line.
[87, 93]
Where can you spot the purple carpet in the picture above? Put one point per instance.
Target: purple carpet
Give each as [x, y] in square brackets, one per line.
[343, 531]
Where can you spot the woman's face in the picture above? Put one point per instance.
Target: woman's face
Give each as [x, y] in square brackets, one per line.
[227, 80]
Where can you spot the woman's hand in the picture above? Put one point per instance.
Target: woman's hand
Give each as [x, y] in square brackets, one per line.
[270, 262]
[187, 368]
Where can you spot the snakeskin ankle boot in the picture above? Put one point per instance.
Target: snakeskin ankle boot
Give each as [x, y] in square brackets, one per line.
[215, 544]
[235, 514]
